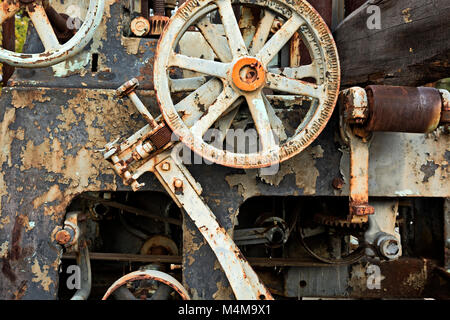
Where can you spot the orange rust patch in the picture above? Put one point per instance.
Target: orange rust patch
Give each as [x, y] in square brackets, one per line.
[44, 155]
[26, 98]
[41, 275]
[53, 194]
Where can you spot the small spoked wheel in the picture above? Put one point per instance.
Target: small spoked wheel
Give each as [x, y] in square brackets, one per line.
[255, 80]
[54, 51]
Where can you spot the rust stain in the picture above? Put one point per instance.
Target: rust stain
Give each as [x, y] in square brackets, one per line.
[48, 155]
[26, 99]
[224, 292]
[19, 293]
[53, 194]
[429, 170]
[6, 138]
[4, 249]
[302, 166]
[4, 221]
[417, 280]
[131, 44]
[41, 275]
[246, 183]
[407, 15]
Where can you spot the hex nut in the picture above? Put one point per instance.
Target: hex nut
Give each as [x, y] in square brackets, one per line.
[389, 246]
[178, 184]
[165, 166]
[63, 237]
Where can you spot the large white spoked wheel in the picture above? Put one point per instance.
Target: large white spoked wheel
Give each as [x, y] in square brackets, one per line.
[247, 83]
[54, 51]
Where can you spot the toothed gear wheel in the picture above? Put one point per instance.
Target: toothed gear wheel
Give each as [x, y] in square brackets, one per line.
[334, 221]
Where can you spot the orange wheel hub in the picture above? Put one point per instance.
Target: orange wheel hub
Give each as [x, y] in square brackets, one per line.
[248, 74]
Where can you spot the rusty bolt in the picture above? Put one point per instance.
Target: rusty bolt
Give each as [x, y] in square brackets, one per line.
[178, 184]
[389, 246]
[361, 210]
[140, 26]
[63, 237]
[356, 105]
[338, 183]
[165, 166]
[127, 88]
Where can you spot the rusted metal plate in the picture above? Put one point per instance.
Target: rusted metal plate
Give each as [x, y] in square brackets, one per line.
[39, 179]
[406, 165]
[406, 278]
[101, 63]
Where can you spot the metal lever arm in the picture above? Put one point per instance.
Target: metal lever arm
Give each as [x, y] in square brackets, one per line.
[184, 190]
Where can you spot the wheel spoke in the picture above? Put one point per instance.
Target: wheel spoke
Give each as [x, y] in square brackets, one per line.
[7, 10]
[261, 119]
[224, 123]
[215, 36]
[193, 106]
[223, 102]
[279, 39]
[306, 71]
[43, 26]
[247, 25]
[188, 84]
[234, 36]
[213, 68]
[275, 121]
[262, 32]
[293, 86]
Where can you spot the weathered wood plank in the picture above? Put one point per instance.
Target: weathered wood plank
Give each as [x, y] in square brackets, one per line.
[411, 48]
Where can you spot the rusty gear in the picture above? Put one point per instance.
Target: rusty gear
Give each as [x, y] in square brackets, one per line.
[334, 221]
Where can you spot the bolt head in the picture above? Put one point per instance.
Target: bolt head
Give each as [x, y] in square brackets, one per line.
[338, 183]
[178, 183]
[389, 246]
[127, 88]
[63, 237]
[165, 166]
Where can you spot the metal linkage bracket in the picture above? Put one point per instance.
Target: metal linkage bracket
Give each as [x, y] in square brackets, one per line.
[143, 155]
[384, 109]
[352, 112]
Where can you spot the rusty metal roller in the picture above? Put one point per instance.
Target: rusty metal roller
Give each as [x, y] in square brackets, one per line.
[403, 109]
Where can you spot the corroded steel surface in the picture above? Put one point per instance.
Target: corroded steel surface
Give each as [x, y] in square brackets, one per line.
[190, 125]
[52, 125]
[403, 109]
